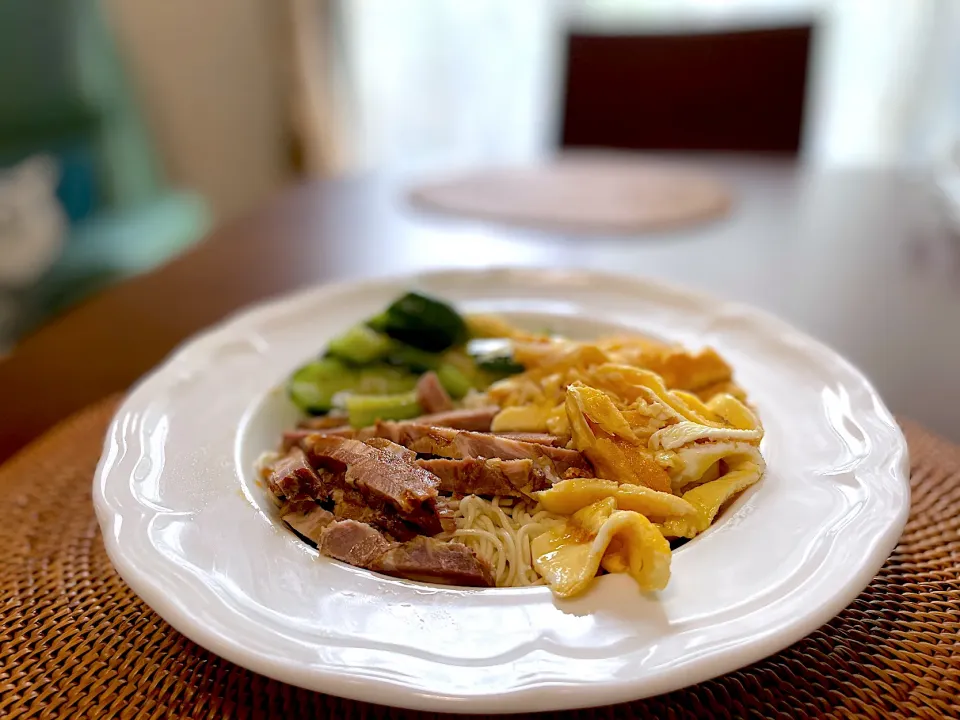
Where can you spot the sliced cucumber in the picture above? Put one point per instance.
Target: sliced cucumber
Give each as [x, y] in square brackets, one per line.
[418, 361]
[454, 382]
[422, 322]
[459, 358]
[383, 380]
[365, 410]
[360, 345]
[313, 387]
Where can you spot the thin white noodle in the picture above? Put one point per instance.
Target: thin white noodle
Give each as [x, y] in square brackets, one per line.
[486, 541]
[500, 531]
[487, 524]
[512, 553]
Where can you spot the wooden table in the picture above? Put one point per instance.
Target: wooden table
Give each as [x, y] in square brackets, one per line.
[852, 257]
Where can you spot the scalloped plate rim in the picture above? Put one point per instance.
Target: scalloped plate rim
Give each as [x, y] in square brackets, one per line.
[549, 695]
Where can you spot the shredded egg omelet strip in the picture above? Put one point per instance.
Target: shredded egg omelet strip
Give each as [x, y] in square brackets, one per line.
[599, 535]
[568, 496]
[667, 457]
[602, 434]
[743, 470]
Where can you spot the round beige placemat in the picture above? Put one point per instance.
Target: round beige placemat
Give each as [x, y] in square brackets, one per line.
[600, 195]
[75, 642]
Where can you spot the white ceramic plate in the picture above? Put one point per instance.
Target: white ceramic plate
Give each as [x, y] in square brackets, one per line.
[191, 531]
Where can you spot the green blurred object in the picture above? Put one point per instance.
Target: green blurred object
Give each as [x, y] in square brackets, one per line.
[63, 92]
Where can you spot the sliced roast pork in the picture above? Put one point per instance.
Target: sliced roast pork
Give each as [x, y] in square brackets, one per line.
[352, 542]
[531, 437]
[293, 478]
[295, 438]
[431, 560]
[308, 519]
[458, 444]
[382, 476]
[431, 394]
[375, 470]
[325, 422]
[350, 504]
[490, 476]
[424, 559]
[384, 444]
[476, 419]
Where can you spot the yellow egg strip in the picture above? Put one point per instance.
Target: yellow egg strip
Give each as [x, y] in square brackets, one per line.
[649, 386]
[522, 418]
[596, 406]
[635, 546]
[494, 326]
[698, 459]
[643, 440]
[568, 496]
[710, 497]
[617, 458]
[734, 412]
[686, 432]
[696, 404]
[569, 557]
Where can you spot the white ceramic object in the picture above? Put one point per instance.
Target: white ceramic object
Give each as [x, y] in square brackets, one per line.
[188, 527]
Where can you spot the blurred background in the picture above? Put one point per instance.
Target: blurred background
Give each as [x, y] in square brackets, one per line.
[129, 128]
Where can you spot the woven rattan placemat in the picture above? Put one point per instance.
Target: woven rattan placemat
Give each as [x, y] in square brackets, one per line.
[76, 642]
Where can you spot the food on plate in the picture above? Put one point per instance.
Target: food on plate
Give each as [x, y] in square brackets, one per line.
[466, 451]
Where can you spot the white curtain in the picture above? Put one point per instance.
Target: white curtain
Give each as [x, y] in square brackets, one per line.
[451, 81]
[885, 83]
[447, 82]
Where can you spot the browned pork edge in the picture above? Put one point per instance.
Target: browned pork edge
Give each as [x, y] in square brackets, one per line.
[459, 444]
[350, 504]
[431, 560]
[295, 438]
[352, 542]
[307, 519]
[292, 477]
[380, 475]
[489, 476]
[325, 422]
[531, 437]
[300, 488]
[476, 419]
[431, 395]
[422, 558]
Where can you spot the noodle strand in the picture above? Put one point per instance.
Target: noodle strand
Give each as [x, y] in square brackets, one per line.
[500, 532]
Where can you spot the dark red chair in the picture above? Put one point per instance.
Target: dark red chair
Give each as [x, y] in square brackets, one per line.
[733, 91]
